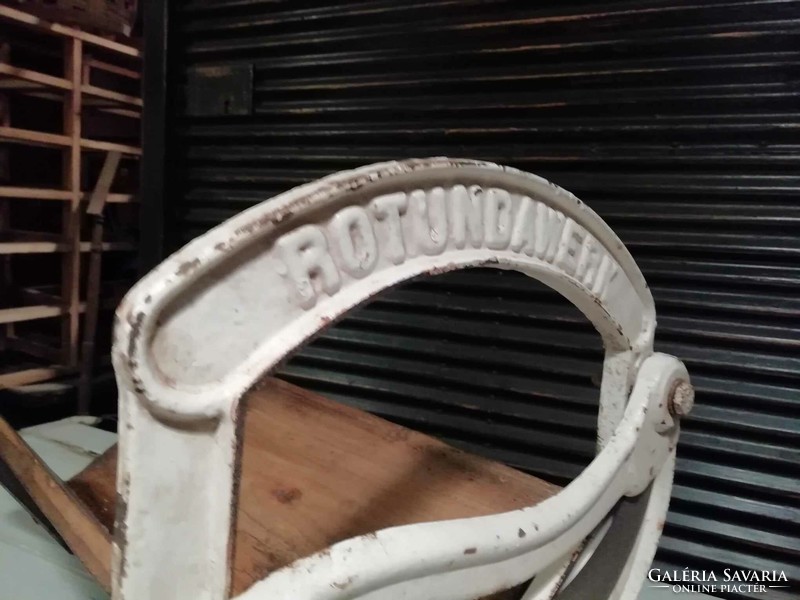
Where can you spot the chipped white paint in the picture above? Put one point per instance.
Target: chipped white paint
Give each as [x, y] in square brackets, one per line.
[199, 330]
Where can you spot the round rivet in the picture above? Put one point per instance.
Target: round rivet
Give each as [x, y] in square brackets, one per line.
[682, 400]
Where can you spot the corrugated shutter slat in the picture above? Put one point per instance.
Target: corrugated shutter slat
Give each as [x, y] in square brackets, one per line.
[677, 122]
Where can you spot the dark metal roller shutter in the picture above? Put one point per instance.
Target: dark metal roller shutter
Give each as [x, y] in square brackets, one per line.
[677, 122]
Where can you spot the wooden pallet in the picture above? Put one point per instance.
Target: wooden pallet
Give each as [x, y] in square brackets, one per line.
[87, 62]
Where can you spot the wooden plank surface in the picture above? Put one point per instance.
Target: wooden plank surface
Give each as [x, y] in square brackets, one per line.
[7, 191]
[20, 314]
[75, 524]
[98, 92]
[34, 77]
[112, 68]
[110, 147]
[33, 193]
[315, 472]
[29, 136]
[28, 376]
[71, 213]
[99, 196]
[97, 203]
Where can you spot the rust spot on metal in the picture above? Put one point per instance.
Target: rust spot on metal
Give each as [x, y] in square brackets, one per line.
[521, 533]
[471, 551]
[342, 585]
[442, 269]
[238, 441]
[187, 267]
[136, 332]
[138, 387]
[121, 533]
[220, 246]
[281, 217]
[287, 496]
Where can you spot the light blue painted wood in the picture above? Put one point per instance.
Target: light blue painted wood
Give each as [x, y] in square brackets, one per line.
[33, 566]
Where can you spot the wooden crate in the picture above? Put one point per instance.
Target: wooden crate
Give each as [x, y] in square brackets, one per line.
[91, 85]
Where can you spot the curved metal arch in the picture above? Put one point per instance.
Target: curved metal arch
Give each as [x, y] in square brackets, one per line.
[268, 279]
[195, 269]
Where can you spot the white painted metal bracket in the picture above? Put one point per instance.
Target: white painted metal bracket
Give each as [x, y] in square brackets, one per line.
[204, 326]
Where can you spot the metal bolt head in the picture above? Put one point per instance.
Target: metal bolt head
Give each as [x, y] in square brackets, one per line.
[682, 400]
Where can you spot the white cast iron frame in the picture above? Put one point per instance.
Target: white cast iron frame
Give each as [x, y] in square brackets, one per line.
[197, 332]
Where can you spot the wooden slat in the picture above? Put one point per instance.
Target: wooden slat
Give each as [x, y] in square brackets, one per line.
[122, 112]
[76, 525]
[117, 198]
[111, 68]
[96, 205]
[98, 92]
[28, 20]
[30, 247]
[51, 194]
[110, 147]
[29, 313]
[315, 472]
[71, 213]
[14, 134]
[28, 136]
[7, 191]
[17, 85]
[34, 77]
[28, 377]
[6, 272]
[6, 275]
[35, 91]
[23, 245]
[99, 195]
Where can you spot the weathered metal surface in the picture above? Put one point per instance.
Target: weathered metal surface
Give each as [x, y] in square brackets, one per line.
[206, 324]
[675, 121]
[682, 400]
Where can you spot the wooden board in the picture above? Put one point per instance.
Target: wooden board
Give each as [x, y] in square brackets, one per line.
[22, 377]
[315, 472]
[79, 529]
